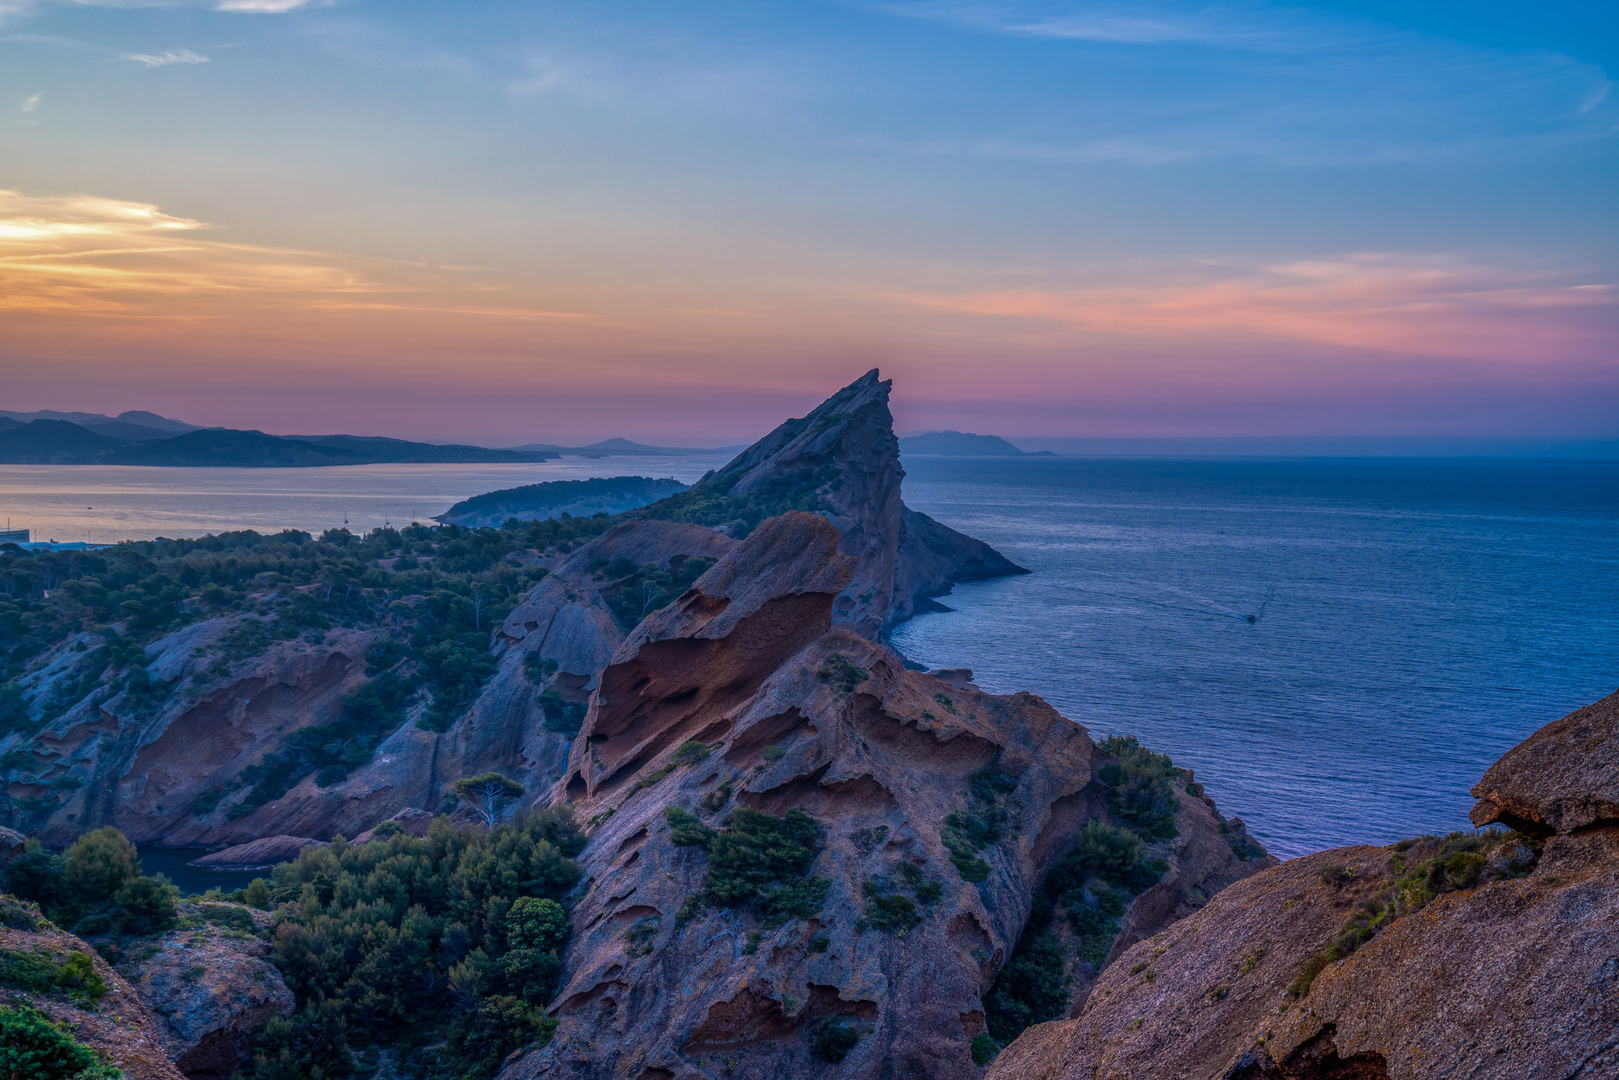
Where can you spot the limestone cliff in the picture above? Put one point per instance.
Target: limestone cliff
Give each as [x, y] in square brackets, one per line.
[744, 697]
[842, 461]
[240, 688]
[1476, 956]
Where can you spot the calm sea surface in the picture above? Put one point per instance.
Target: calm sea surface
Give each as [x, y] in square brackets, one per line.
[1413, 619]
[104, 504]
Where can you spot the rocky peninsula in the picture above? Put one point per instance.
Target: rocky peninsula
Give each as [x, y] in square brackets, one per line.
[735, 833]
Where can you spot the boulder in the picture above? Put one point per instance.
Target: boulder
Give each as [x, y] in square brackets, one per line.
[1562, 778]
[12, 843]
[211, 986]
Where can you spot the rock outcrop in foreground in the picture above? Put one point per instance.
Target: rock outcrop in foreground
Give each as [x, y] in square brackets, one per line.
[211, 987]
[1472, 956]
[119, 1027]
[784, 877]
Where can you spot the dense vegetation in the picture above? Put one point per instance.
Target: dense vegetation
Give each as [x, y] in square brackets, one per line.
[985, 821]
[1091, 886]
[611, 494]
[439, 951]
[34, 1048]
[95, 887]
[758, 861]
[709, 502]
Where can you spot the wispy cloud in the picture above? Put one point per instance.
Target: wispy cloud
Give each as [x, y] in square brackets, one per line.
[1166, 82]
[263, 7]
[80, 255]
[30, 103]
[164, 59]
[1234, 25]
[1436, 305]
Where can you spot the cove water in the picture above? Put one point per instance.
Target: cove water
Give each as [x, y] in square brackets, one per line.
[1338, 648]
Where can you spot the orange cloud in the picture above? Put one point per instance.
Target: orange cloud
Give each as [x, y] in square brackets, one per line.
[84, 255]
[1424, 305]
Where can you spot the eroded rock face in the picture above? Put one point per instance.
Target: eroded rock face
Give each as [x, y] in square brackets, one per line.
[210, 987]
[846, 449]
[165, 772]
[144, 769]
[1516, 975]
[1562, 778]
[744, 694]
[120, 1026]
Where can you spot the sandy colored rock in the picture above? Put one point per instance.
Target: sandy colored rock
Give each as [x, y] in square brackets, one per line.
[847, 450]
[210, 987]
[788, 711]
[258, 854]
[1516, 976]
[1563, 777]
[120, 1027]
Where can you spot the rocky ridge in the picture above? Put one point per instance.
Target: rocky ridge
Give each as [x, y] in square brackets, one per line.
[746, 696]
[1487, 957]
[167, 773]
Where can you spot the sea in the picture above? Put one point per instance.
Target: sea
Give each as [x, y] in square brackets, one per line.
[1338, 648]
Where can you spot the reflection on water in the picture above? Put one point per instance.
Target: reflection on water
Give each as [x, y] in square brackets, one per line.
[171, 863]
[107, 503]
[1411, 620]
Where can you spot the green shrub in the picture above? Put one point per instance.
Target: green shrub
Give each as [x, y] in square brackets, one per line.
[33, 1048]
[40, 972]
[229, 916]
[690, 753]
[842, 674]
[984, 1048]
[1115, 855]
[410, 941]
[1141, 787]
[19, 914]
[98, 864]
[501, 1025]
[36, 875]
[832, 1040]
[758, 861]
[562, 717]
[985, 822]
[1030, 989]
[1421, 869]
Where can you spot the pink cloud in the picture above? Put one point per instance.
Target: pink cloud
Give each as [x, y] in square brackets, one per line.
[1392, 303]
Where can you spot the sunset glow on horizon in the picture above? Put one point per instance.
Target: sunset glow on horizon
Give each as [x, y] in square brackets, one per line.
[679, 222]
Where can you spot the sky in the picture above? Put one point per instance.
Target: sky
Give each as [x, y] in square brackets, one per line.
[680, 222]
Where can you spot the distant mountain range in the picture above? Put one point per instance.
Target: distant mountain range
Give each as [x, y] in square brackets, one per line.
[137, 437]
[963, 444]
[122, 441]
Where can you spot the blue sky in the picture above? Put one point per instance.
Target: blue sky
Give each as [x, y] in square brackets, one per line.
[1057, 219]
